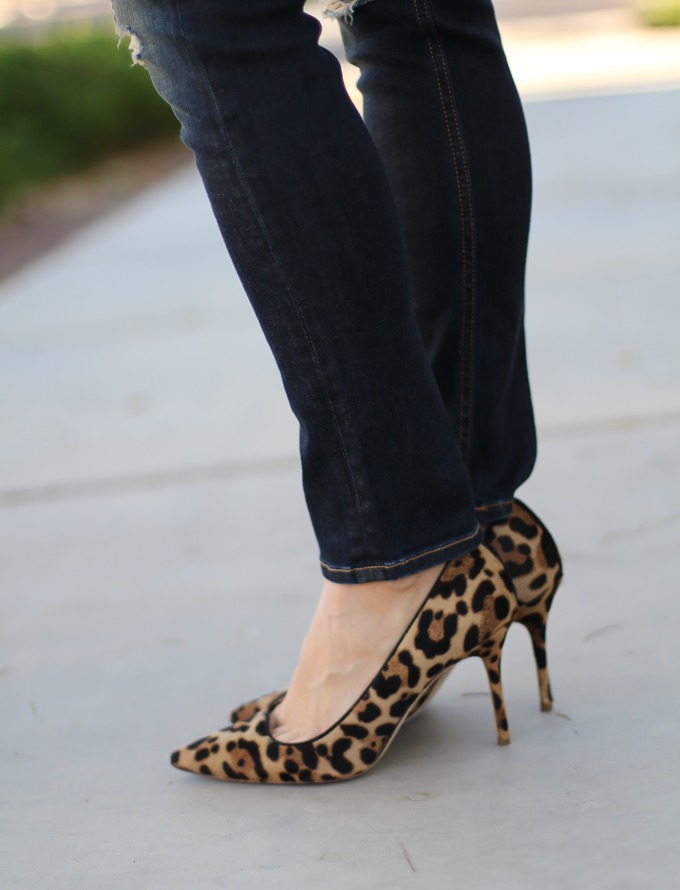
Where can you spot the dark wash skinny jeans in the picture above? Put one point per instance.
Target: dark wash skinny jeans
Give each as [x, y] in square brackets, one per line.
[384, 260]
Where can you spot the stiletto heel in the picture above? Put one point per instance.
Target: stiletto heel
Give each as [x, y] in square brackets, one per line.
[492, 662]
[467, 613]
[536, 625]
[531, 557]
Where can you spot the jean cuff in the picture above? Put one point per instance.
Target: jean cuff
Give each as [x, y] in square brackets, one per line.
[495, 512]
[404, 567]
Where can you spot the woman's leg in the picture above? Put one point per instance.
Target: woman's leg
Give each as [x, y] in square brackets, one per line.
[307, 212]
[445, 115]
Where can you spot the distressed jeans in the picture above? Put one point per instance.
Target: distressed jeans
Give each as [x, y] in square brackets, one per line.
[384, 258]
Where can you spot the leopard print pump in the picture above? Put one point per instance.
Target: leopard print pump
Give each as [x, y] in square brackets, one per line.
[532, 560]
[467, 613]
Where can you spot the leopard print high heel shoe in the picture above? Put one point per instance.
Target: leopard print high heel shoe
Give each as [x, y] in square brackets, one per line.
[467, 613]
[532, 560]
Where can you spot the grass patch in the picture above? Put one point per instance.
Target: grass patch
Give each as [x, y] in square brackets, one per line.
[68, 102]
[660, 13]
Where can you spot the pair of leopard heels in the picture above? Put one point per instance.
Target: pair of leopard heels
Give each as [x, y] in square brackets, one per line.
[513, 576]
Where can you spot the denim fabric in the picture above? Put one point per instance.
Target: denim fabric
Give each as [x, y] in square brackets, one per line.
[385, 261]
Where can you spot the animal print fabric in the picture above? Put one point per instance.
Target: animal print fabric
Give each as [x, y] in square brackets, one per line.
[533, 561]
[467, 613]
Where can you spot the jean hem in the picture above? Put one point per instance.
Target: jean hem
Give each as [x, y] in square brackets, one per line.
[402, 568]
[495, 512]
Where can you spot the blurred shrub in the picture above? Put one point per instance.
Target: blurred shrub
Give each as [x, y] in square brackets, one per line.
[660, 12]
[71, 101]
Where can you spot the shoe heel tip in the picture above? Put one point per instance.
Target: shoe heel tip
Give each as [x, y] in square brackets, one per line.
[503, 742]
[546, 706]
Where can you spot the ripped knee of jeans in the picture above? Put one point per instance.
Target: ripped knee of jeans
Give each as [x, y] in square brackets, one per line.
[341, 9]
[135, 46]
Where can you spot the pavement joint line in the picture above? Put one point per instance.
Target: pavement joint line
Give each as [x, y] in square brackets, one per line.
[61, 491]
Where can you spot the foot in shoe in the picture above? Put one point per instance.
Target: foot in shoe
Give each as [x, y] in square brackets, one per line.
[532, 560]
[353, 631]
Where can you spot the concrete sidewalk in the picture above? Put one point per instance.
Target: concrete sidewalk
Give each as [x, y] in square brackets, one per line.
[158, 565]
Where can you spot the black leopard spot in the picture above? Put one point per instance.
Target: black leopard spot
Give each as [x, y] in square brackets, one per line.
[494, 677]
[367, 755]
[438, 615]
[327, 778]
[309, 756]
[458, 563]
[535, 620]
[399, 708]
[369, 714]
[289, 750]
[426, 644]
[206, 770]
[291, 766]
[202, 753]
[518, 569]
[501, 606]
[471, 638]
[386, 729]
[434, 670]
[506, 543]
[214, 748]
[539, 654]
[461, 608]
[197, 744]
[504, 724]
[413, 669]
[497, 703]
[338, 761]
[354, 731]
[488, 573]
[272, 750]
[232, 773]
[533, 602]
[261, 728]
[305, 775]
[322, 750]
[253, 749]
[538, 582]
[523, 528]
[241, 762]
[493, 659]
[459, 585]
[477, 565]
[549, 548]
[285, 777]
[486, 588]
[231, 746]
[174, 757]
[524, 549]
[387, 686]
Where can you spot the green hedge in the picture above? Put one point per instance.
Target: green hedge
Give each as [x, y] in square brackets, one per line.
[660, 12]
[68, 102]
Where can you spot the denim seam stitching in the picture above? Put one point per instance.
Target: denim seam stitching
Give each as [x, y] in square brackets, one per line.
[467, 353]
[288, 287]
[402, 562]
[494, 504]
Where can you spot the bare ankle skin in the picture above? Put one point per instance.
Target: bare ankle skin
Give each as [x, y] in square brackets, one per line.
[353, 631]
